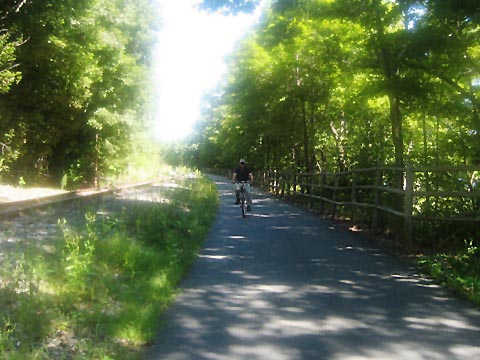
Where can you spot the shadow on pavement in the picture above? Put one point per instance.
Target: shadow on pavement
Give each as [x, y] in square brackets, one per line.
[282, 284]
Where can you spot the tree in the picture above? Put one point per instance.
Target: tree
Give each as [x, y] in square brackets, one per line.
[78, 59]
[336, 84]
[229, 6]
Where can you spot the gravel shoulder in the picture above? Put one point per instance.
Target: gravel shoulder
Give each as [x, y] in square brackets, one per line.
[39, 226]
[10, 193]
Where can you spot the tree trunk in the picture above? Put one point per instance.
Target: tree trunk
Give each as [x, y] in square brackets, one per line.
[306, 147]
[426, 162]
[476, 134]
[97, 151]
[313, 159]
[340, 148]
[395, 114]
[397, 134]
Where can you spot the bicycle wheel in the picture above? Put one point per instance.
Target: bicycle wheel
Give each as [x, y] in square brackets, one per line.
[243, 206]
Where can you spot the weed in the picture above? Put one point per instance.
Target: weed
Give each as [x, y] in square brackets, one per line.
[459, 271]
[100, 293]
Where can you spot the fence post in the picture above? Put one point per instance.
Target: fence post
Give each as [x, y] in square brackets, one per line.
[377, 198]
[293, 188]
[354, 196]
[408, 204]
[266, 180]
[277, 182]
[271, 182]
[309, 190]
[322, 191]
[334, 195]
[286, 188]
[281, 182]
[294, 174]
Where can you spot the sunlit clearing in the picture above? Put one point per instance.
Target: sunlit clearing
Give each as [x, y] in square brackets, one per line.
[189, 57]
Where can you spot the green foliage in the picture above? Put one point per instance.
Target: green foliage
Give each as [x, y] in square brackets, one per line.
[460, 272]
[333, 85]
[84, 86]
[8, 75]
[99, 290]
[229, 6]
[336, 85]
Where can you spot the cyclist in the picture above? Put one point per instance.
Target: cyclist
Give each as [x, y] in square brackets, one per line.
[243, 173]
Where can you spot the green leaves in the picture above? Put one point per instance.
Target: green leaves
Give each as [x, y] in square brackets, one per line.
[336, 84]
[229, 6]
[460, 272]
[8, 73]
[79, 60]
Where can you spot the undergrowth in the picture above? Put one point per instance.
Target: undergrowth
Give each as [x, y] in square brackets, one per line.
[99, 291]
[459, 271]
[454, 266]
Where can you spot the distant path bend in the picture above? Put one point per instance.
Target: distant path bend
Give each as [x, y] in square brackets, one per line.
[283, 284]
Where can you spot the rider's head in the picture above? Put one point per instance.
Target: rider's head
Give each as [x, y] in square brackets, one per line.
[242, 162]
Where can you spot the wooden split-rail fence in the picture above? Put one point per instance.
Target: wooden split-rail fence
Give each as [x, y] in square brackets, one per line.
[429, 193]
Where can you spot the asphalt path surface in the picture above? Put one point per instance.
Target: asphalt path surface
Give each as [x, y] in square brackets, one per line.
[284, 284]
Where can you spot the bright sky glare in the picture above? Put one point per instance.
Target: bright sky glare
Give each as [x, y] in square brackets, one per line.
[190, 56]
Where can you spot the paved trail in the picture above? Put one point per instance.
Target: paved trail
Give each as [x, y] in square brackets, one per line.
[283, 284]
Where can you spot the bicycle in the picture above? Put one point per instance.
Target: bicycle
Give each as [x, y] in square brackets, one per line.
[243, 200]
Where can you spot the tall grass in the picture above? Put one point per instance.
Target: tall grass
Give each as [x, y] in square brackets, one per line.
[98, 290]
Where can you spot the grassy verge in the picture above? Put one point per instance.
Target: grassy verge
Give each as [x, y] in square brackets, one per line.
[97, 291]
[459, 272]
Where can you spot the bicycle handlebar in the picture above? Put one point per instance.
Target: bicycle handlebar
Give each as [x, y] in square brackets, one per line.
[243, 182]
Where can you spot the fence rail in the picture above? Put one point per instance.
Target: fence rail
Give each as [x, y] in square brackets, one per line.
[441, 193]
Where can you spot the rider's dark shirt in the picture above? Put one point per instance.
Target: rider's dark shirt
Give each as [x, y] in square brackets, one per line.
[242, 174]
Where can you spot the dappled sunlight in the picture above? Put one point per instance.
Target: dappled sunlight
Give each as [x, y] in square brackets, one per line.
[373, 252]
[279, 228]
[467, 352]
[440, 321]
[284, 327]
[255, 215]
[409, 279]
[279, 289]
[283, 285]
[266, 216]
[222, 183]
[192, 323]
[245, 275]
[262, 351]
[330, 324]
[279, 313]
[400, 350]
[214, 257]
